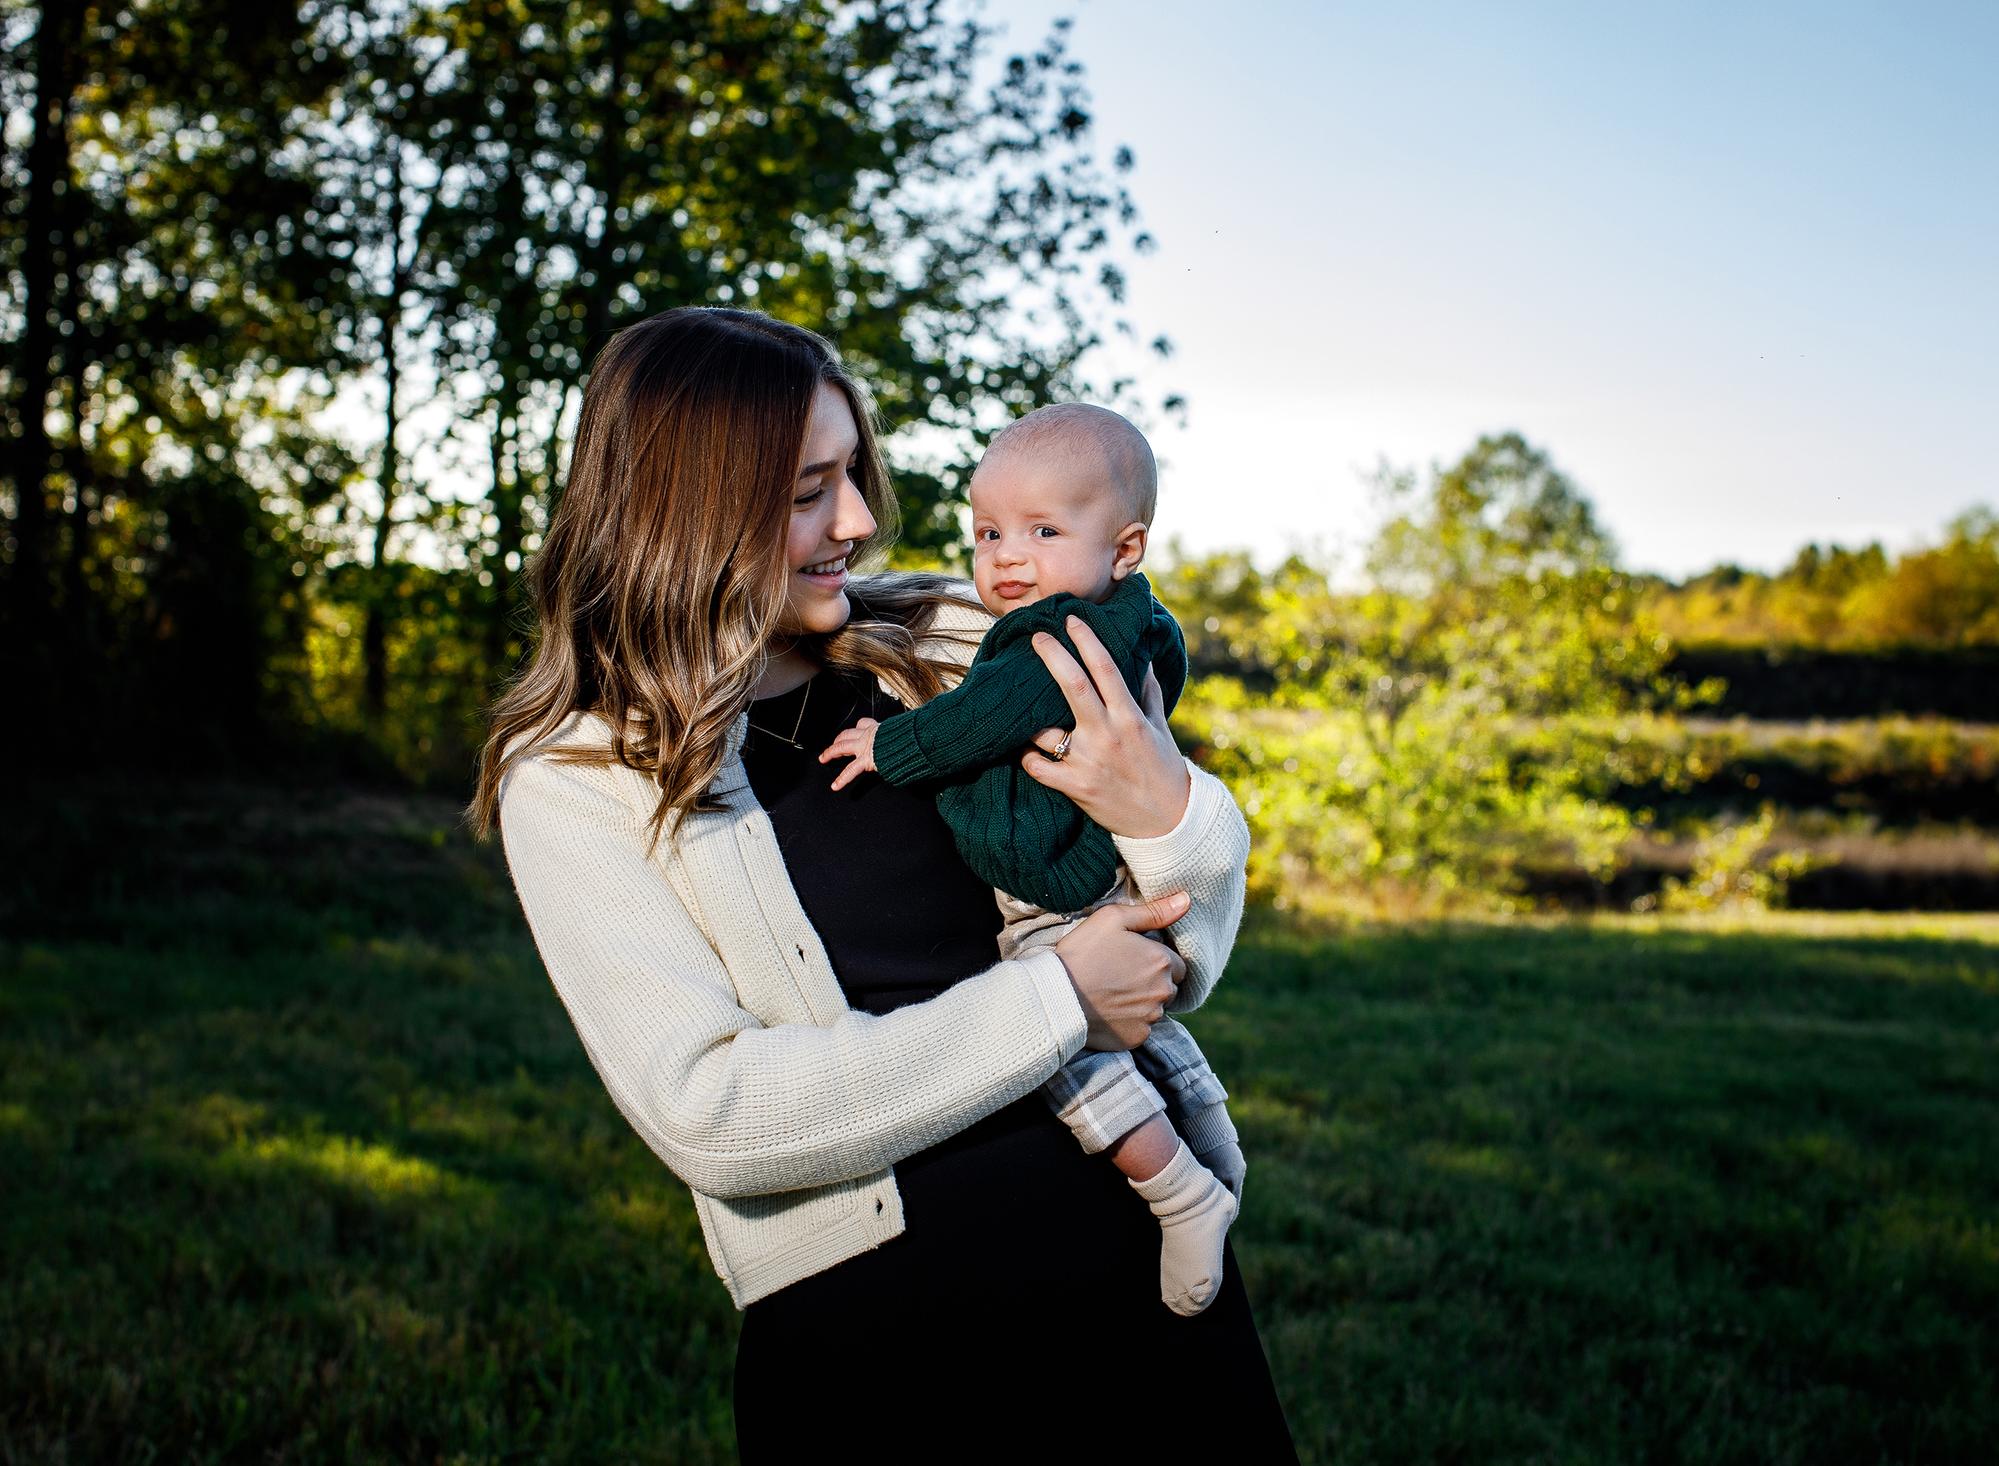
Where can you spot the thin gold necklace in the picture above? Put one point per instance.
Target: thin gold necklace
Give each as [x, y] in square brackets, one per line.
[793, 739]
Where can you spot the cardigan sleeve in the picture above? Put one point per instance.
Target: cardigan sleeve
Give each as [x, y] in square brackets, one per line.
[735, 1108]
[1206, 855]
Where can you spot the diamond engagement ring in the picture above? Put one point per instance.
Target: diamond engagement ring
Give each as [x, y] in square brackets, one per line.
[1062, 749]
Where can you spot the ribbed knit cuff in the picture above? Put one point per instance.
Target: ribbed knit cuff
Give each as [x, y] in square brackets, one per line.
[1154, 856]
[1207, 1128]
[1066, 1019]
[897, 757]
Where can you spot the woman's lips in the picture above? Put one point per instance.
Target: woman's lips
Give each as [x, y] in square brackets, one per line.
[830, 579]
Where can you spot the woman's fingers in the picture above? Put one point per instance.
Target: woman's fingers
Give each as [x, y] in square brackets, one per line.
[1044, 768]
[1155, 698]
[1076, 684]
[1104, 674]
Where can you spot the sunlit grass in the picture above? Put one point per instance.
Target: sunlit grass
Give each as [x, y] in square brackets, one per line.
[305, 1162]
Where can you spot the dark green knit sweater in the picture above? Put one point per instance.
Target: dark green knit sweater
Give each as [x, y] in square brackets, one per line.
[1018, 835]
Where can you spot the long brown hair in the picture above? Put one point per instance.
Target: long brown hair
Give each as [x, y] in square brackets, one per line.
[662, 578]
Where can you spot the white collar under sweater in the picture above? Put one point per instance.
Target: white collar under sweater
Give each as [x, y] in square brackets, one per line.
[711, 1013]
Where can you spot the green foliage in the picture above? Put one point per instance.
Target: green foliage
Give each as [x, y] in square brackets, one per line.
[162, 495]
[1735, 869]
[231, 215]
[1943, 596]
[1454, 698]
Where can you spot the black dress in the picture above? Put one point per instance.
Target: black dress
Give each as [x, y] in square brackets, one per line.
[1019, 1310]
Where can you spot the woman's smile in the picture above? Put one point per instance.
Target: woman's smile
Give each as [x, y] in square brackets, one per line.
[828, 574]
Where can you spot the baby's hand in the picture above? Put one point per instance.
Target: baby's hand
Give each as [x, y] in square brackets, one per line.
[857, 743]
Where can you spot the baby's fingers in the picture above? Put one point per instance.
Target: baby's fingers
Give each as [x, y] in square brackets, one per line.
[850, 740]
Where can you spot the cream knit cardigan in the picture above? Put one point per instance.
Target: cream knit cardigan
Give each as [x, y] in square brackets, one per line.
[708, 1007]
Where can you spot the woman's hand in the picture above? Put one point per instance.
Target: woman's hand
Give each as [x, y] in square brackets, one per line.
[1124, 979]
[1121, 767]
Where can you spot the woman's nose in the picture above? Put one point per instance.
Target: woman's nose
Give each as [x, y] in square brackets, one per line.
[853, 522]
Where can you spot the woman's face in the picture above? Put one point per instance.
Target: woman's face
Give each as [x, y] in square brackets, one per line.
[828, 517]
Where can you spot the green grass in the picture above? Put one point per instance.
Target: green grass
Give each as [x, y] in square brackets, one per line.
[304, 1162]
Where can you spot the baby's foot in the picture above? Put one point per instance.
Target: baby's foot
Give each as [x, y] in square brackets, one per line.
[1195, 1211]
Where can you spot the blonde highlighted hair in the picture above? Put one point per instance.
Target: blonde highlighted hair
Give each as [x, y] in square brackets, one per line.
[659, 586]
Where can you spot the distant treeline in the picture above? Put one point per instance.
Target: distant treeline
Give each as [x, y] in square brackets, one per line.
[1945, 595]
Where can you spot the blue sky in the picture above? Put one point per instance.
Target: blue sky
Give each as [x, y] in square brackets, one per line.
[1733, 266]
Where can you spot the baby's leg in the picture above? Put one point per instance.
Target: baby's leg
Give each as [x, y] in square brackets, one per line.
[1195, 1212]
[1110, 1107]
[1143, 1151]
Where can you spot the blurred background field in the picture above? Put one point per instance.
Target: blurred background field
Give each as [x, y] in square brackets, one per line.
[1615, 1030]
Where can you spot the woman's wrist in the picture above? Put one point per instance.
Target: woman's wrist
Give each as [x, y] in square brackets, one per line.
[1169, 807]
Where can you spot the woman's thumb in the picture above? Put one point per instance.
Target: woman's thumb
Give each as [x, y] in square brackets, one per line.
[1148, 916]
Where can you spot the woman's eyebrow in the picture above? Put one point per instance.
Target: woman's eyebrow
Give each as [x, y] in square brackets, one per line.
[813, 470]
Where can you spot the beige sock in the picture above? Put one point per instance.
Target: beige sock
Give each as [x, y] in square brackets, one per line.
[1194, 1211]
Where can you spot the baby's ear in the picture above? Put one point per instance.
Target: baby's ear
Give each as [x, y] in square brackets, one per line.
[1129, 548]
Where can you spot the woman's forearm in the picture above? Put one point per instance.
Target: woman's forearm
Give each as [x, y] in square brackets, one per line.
[736, 1107]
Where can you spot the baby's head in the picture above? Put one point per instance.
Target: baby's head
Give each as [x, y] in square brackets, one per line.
[1062, 501]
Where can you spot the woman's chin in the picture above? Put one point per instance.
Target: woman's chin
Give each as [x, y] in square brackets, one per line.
[823, 616]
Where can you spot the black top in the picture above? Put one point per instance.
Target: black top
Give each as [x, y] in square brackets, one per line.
[876, 868]
[917, 1326]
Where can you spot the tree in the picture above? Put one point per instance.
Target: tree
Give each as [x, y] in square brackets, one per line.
[1947, 595]
[231, 214]
[166, 289]
[1450, 723]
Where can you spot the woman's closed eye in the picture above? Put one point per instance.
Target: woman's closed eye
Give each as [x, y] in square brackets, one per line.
[819, 493]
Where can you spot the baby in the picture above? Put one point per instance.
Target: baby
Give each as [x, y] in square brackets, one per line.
[1062, 504]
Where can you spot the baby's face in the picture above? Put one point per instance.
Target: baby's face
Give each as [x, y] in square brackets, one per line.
[1039, 528]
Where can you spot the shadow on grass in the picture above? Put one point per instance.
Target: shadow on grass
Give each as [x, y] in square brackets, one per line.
[308, 1163]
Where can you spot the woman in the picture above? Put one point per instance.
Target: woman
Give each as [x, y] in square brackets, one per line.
[789, 992]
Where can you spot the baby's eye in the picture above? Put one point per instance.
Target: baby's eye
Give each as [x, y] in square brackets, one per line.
[1039, 528]
[988, 534]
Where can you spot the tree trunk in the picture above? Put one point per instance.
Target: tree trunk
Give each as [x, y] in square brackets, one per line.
[48, 178]
[375, 630]
[81, 608]
[508, 535]
[599, 263]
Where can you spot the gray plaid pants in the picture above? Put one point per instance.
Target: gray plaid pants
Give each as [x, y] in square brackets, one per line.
[1103, 1095]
